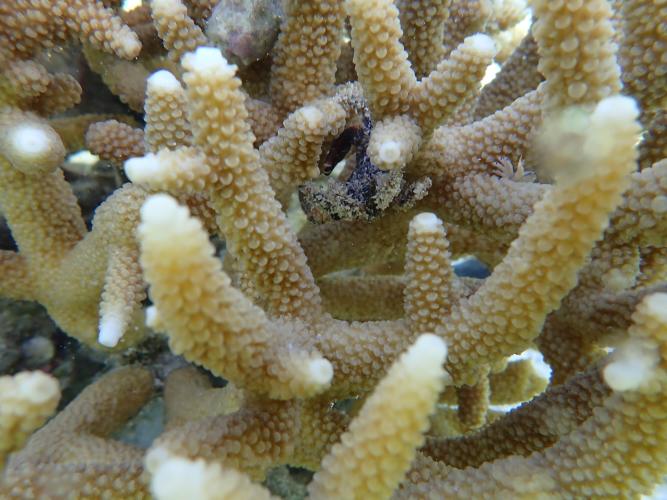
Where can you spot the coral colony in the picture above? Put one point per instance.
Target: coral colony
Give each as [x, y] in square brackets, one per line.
[295, 197]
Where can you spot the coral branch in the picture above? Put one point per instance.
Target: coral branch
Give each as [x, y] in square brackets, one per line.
[196, 303]
[239, 187]
[384, 448]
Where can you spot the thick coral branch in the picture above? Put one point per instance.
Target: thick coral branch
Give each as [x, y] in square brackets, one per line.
[384, 447]
[311, 35]
[381, 61]
[196, 303]
[577, 53]
[552, 245]
[255, 228]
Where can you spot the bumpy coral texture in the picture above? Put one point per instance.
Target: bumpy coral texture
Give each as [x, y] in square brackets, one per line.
[358, 349]
[27, 400]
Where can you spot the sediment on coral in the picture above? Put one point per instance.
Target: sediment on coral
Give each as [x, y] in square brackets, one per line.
[271, 279]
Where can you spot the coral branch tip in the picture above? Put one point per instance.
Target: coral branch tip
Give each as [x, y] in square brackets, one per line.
[163, 80]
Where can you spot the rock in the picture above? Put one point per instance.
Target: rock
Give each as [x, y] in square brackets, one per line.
[245, 30]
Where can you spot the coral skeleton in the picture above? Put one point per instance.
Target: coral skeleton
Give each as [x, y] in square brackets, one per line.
[282, 263]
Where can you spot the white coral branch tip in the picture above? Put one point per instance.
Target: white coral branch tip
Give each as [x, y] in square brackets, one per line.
[161, 210]
[656, 305]
[167, 7]
[614, 118]
[207, 60]
[617, 108]
[426, 356]
[36, 387]
[181, 478]
[152, 317]
[111, 329]
[163, 222]
[156, 457]
[142, 169]
[33, 148]
[313, 116]
[320, 371]
[633, 364]
[482, 43]
[163, 81]
[131, 46]
[389, 152]
[425, 222]
[31, 139]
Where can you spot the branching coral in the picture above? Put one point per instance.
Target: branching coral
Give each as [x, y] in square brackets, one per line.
[28, 25]
[72, 453]
[335, 341]
[571, 467]
[84, 279]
